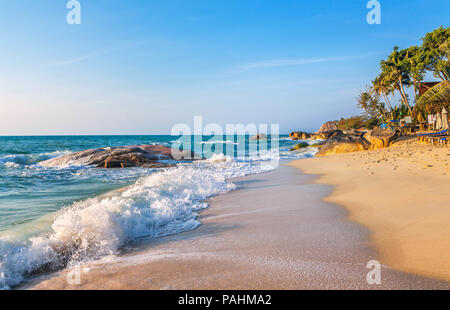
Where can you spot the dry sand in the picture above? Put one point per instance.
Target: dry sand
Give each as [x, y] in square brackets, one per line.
[274, 232]
[402, 194]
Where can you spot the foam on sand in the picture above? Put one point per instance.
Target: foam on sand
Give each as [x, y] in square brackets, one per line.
[163, 203]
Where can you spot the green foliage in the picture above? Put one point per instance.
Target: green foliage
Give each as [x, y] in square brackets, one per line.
[371, 123]
[400, 112]
[357, 122]
[407, 68]
[371, 104]
[395, 68]
[415, 62]
[436, 45]
[353, 122]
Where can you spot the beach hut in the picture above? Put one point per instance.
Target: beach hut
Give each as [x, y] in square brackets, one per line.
[425, 86]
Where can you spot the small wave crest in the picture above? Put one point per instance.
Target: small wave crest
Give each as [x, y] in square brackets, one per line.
[15, 160]
[163, 203]
[219, 142]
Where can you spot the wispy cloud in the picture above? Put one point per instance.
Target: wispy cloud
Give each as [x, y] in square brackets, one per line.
[77, 59]
[294, 62]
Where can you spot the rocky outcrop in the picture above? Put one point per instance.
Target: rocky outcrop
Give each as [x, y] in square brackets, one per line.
[327, 127]
[335, 133]
[338, 143]
[318, 136]
[148, 156]
[380, 138]
[299, 135]
[325, 135]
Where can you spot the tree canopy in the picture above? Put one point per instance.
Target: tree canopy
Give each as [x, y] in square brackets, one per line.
[407, 68]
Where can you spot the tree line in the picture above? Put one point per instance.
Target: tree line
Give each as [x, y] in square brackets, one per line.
[408, 68]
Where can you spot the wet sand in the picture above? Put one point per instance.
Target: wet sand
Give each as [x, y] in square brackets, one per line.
[273, 232]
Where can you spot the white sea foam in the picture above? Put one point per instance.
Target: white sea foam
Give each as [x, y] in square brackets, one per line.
[29, 159]
[10, 164]
[217, 158]
[165, 202]
[219, 142]
[162, 203]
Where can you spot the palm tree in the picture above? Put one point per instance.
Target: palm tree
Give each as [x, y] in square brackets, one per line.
[437, 46]
[369, 102]
[416, 61]
[383, 87]
[394, 70]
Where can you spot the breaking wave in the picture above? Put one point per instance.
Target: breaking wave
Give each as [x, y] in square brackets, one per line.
[12, 160]
[164, 202]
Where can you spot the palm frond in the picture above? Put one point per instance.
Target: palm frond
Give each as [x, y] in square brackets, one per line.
[436, 94]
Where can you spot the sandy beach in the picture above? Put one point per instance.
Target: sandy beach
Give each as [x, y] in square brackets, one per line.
[401, 194]
[276, 232]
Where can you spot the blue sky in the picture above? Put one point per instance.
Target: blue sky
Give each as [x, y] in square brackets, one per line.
[139, 67]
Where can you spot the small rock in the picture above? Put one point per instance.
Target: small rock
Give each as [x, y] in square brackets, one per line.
[258, 137]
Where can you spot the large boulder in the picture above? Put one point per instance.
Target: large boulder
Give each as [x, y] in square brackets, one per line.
[338, 143]
[334, 134]
[380, 138]
[326, 135]
[328, 126]
[148, 156]
[318, 136]
[299, 135]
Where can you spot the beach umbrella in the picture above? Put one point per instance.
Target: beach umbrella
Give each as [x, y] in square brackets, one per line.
[445, 125]
[438, 121]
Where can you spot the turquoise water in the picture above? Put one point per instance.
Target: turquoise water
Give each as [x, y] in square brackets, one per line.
[28, 191]
[51, 216]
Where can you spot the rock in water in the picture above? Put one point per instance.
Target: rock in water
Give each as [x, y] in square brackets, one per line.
[258, 137]
[148, 156]
[299, 135]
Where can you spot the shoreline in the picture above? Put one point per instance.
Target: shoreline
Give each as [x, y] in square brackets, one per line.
[397, 194]
[272, 232]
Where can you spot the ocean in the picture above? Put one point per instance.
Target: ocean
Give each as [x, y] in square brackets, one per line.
[51, 218]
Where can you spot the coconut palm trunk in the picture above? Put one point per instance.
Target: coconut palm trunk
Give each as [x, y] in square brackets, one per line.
[391, 111]
[403, 95]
